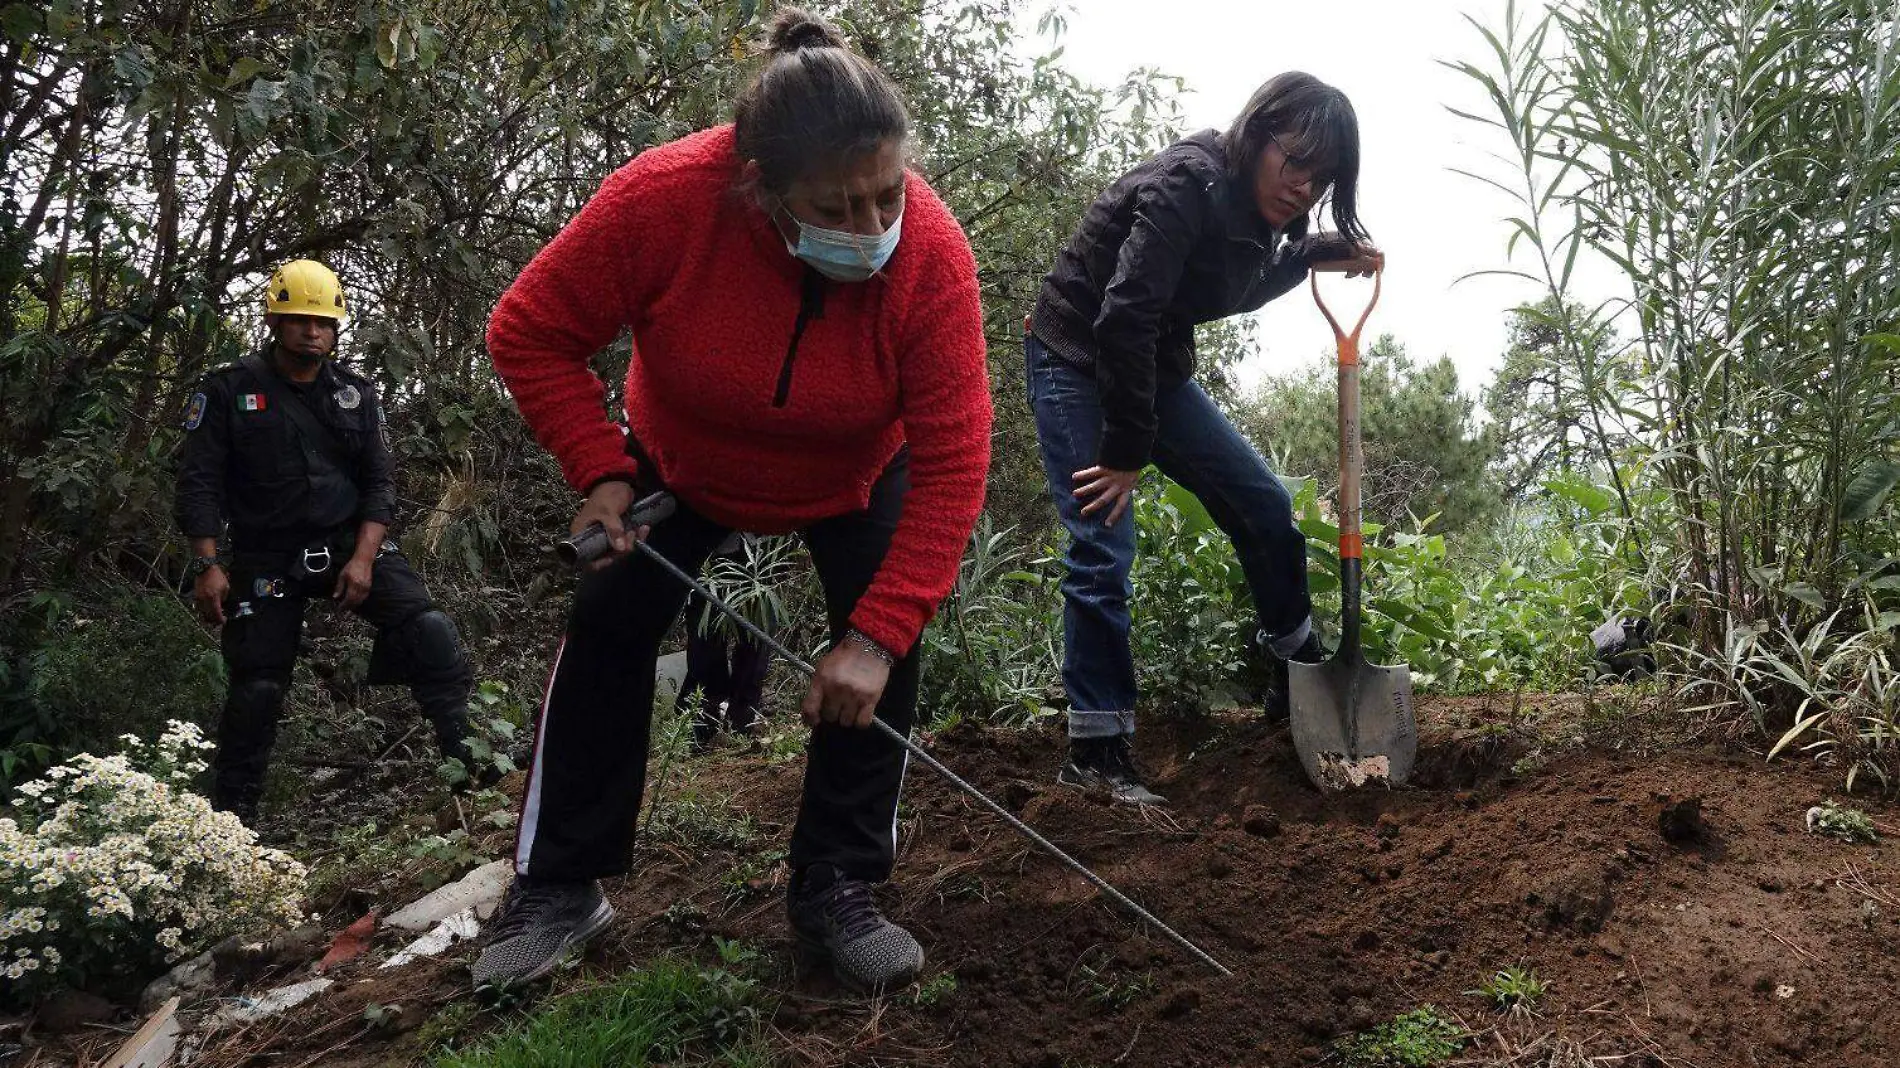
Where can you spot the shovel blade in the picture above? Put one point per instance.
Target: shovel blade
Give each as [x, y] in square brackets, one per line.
[1352, 722]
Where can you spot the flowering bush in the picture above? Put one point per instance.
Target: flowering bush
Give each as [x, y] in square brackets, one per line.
[115, 869]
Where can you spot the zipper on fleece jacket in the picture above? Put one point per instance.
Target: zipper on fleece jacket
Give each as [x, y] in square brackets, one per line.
[811, 305]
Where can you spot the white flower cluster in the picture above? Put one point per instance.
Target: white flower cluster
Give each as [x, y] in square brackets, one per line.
[118, 867]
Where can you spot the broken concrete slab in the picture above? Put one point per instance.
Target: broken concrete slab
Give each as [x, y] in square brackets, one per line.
[282, 999]
[669, 674]
[460, 927]
[480, 890]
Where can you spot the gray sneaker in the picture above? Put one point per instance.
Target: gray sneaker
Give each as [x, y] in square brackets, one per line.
[833, 915]
[539, 924]
[1107, 764]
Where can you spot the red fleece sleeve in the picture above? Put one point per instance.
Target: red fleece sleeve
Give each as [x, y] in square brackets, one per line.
[571, 301]
[943, 375]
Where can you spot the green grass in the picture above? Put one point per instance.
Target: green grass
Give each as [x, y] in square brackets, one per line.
[1112, 991]
[694, 821]
[1514, 989]
[672, 1011]
[1422, 1038]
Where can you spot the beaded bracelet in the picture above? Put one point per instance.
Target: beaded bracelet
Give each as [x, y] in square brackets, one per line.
[870, 646]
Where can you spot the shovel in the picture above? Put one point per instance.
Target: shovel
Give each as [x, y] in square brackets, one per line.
[1351, 719]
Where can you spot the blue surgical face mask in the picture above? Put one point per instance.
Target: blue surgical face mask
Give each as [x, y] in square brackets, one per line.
[843, 256]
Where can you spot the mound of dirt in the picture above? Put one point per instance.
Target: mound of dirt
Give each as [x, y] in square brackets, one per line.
[1745, 943]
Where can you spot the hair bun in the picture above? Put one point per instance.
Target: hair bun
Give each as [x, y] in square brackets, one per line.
[795, 28]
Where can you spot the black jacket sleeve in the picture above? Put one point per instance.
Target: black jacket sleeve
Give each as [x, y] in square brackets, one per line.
[1290, 267]
[1171, 211]
[375, 485]
[199, 506]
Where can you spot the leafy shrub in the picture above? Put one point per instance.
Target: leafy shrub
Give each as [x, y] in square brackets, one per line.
[1840, 677]
[1509, 618]
[1506, 620]
[1194, 620]
[755, 585]
[116, 869]
[993, 650]
[1835, 820]
[121, 660]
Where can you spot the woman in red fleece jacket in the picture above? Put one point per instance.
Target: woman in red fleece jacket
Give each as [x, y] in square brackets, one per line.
[808, 357]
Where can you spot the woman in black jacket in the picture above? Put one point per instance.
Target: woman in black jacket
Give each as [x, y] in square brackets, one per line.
[1214, 226]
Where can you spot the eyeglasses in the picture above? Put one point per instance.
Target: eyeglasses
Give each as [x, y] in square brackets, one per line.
[1320, 182]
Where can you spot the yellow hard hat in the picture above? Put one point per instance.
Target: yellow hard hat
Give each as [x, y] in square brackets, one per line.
[305, 287]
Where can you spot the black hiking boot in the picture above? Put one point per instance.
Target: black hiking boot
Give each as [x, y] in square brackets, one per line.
[833, 916]
[744, 721]
[539, 924]
[1107, 764]
[479, 774]
[239, 799]
[707, 723]
[1275, 702]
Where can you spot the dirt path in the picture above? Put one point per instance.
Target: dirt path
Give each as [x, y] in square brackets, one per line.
[1756, 944]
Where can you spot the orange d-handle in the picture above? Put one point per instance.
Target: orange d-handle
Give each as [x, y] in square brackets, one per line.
[1351, 458]
[1351, 462]
[1349, 343]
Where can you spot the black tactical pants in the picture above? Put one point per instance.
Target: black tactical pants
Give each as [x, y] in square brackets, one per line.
[724, 670]
[415, 644]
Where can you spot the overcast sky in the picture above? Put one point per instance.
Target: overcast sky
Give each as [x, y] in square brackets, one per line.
[1433, 224]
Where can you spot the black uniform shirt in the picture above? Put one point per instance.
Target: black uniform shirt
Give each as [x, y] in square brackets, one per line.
[247, 463]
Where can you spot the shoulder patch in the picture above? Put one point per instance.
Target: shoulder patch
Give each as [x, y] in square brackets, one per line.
[195, 411]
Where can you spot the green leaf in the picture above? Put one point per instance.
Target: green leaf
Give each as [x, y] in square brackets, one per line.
[21, 21]
[1320, 529]
[1801, 726]
[1409, 615]
[260, 106]
[388, 43]
[1595, 499]
[1806, 593]
[428, 45]
[243, 71]
[1890, 342]
[1887, 621]
[1868, 489]
[133, 67]
[1194, 517]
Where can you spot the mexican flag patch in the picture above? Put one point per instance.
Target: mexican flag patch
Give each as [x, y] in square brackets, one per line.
[251, 402]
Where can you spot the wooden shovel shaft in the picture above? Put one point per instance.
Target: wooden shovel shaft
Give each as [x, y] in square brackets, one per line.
[1351, 463]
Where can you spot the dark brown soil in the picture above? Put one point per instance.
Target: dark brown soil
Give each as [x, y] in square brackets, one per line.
[1707, 934]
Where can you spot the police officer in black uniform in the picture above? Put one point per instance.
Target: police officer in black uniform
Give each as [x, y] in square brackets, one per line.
[730, 691]
[287, 449]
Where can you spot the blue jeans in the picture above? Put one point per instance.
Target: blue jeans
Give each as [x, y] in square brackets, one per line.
[1197, 447]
